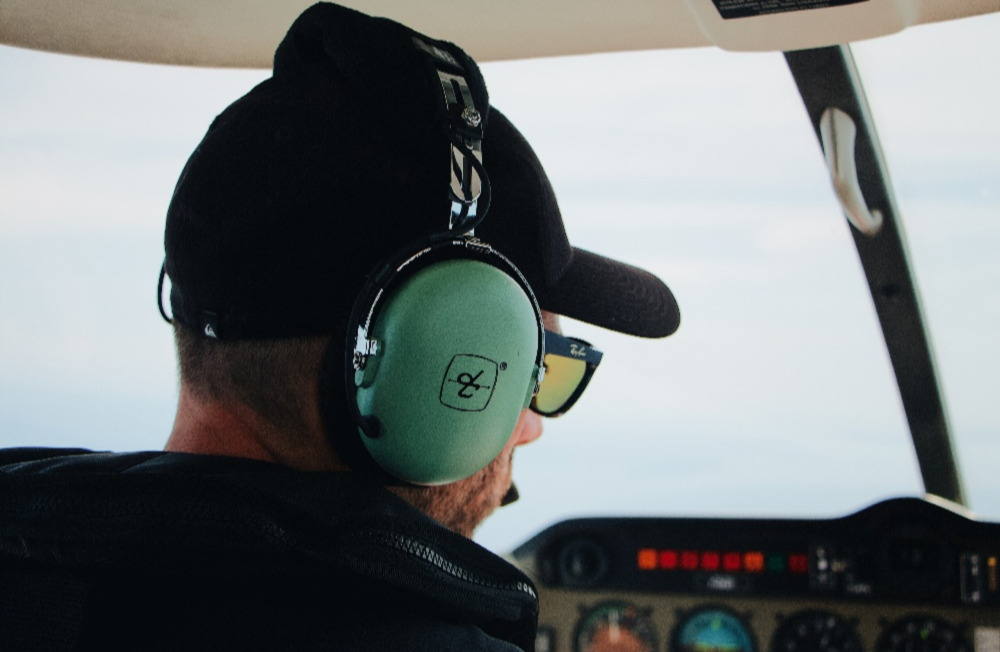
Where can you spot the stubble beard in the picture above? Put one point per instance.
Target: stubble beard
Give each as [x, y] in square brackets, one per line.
[463, 505]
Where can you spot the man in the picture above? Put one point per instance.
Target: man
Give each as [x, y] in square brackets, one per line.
[270, 521]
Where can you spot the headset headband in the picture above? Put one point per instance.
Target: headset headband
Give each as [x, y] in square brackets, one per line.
[470, 195]
[463, 125]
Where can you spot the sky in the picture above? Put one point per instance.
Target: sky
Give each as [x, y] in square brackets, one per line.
[775, 397]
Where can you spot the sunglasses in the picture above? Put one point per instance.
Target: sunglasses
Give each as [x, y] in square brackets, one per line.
[569, 365]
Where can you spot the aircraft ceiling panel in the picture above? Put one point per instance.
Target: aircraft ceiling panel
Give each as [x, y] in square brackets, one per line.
[244, 33]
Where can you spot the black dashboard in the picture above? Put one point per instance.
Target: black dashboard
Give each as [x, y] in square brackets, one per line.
[904, 575]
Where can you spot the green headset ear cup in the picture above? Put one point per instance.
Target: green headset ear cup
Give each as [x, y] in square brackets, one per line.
[457, 349]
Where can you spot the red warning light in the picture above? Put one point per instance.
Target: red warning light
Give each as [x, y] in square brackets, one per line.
[798, 563]
[710, 561]
[689, 560]
[647, 559]
[732, 561]
[668, 559]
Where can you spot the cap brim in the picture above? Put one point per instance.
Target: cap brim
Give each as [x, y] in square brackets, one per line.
[612, 295]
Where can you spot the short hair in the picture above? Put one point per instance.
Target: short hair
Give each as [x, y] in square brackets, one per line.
[273, 377]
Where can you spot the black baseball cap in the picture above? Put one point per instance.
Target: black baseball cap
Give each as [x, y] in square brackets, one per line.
[300, 188]
[525, 224]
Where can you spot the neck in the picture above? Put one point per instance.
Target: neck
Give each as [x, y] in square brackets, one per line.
[209, 426]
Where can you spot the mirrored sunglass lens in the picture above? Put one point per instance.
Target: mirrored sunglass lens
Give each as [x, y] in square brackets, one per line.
[562, 377]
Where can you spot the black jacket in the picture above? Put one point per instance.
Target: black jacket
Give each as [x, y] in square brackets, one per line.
[169, 551]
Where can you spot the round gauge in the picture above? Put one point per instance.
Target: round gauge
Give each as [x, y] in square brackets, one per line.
[615, 627]
[921, 634]
[712, 630]
[815, 631]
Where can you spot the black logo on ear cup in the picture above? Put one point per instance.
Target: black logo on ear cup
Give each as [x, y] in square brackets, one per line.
[468, 383]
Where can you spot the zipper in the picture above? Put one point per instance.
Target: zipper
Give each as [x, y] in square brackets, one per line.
[436, 559]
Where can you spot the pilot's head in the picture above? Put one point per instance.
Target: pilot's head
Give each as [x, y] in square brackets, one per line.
[331, 310]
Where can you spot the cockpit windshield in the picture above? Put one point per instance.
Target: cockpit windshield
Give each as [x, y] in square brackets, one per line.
[775, 397]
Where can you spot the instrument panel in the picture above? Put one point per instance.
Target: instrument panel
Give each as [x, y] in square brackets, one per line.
[904, 575]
